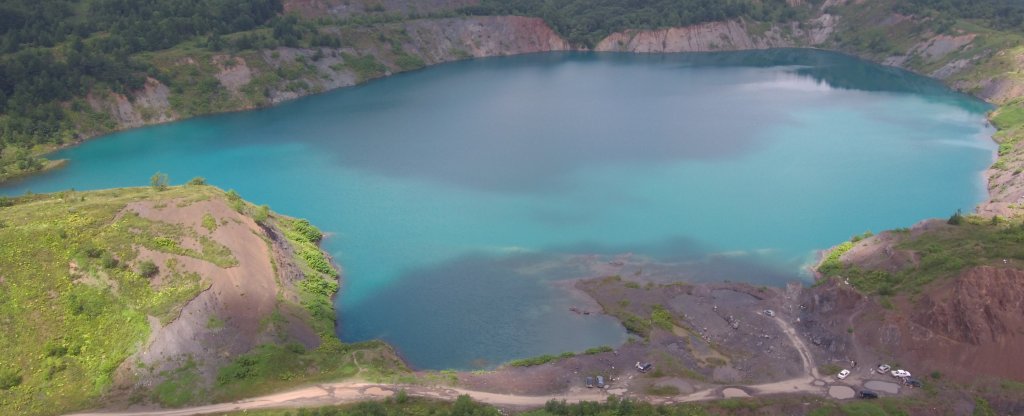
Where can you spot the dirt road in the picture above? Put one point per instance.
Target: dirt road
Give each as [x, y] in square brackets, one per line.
[356, 391]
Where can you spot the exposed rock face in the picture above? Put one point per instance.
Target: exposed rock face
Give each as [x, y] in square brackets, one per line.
[443, 40]
[964, 327]
[718, 36]
[234, 72]
[148, 105]
[984, 306]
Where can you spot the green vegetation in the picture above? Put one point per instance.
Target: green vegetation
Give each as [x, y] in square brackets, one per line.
[366, 67]
[662, 318]
[58, 51]
[272, 367]
[547, 358]
[209, 223]
[400, 405]
[831, 262]
[320, 284]
[944, 251]
[71, 261]
[586, 22]
[829, 369]
[178, 388]
[539, 360]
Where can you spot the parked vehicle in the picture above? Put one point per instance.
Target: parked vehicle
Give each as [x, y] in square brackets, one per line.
[913, 382]
[868, 394]
[590, 382]
[843, 374]
[900, 373]
[643, 367]
[600, 382]
[769, 312]
[884, 368]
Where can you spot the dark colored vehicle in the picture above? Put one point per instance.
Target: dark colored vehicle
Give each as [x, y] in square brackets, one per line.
[868, 394]
[600, 382]
[913, 382]
[590, 382]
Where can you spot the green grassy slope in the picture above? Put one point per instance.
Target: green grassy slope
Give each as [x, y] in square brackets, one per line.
[74, 302]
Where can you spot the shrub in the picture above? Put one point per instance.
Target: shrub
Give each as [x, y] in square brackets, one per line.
[9, 378]
[158, 181]
[209, 222]
[661, 317]
[956, 219]
[307, 231]
[317, 261]
[197, 181]
[261, 214]
[148, 269]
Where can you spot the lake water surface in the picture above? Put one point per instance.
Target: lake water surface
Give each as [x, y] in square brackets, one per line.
[458, 197]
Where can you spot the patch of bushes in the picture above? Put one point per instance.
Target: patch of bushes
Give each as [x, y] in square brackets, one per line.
[307, 231]
[635, 324]
[9, 378]
[831, 264]
[661, 317]
[319, 286]
[317, 261]
[148, 269]
[598, 350]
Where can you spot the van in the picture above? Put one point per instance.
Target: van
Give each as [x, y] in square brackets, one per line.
[868, 394]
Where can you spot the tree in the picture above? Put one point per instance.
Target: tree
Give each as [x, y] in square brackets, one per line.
[261, 214]
[158, 181]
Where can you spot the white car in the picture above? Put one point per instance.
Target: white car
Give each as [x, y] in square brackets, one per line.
[884, 368]
[900, 373]
[843, 374]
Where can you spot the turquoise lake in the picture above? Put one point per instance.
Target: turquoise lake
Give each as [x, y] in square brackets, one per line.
[458, 199]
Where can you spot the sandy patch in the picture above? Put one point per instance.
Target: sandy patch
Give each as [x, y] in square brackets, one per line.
[841, 392]
[731, 392]
[883, 386]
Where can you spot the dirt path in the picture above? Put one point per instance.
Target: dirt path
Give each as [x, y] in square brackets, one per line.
[356, 391]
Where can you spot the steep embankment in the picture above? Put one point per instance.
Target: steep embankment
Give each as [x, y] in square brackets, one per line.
[945, 297]
[139, 295]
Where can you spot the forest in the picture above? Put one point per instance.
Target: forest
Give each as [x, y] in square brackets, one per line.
[585, 22]
[53, 50]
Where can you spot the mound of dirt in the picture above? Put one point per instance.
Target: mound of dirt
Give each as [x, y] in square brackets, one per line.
[230, 316]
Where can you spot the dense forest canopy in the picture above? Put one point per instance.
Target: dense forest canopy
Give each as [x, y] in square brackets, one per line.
[53, 50]
[585, 22]
[1000, 14]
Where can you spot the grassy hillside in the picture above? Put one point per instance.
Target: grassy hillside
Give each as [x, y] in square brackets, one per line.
[79, 296]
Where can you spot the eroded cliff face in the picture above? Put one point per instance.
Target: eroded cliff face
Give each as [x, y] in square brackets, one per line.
[720, 36]
[442, 40]
[966, 327]
[255, 80]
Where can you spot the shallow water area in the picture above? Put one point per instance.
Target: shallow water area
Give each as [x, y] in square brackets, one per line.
[458, 197]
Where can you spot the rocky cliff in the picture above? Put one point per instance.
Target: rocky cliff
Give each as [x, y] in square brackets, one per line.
[705, 37]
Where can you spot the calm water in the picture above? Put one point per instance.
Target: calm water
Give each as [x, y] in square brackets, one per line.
[457, 197]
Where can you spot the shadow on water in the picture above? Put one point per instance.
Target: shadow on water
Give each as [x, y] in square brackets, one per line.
[513, 308]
